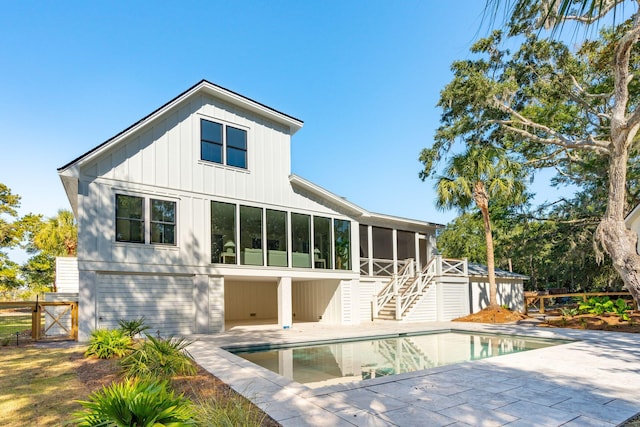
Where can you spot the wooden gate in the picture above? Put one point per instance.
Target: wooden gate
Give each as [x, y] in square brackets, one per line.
[49, 319]
[60, 320]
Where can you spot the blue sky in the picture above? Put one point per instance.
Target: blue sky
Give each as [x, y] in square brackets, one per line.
[364, 76]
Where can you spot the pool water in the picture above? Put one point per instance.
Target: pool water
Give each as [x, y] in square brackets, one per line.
[336, 362]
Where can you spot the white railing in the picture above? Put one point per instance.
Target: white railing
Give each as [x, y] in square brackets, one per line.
[417, 289]
[393, 287]
[383, 267]
[453, 267]
[364, 266]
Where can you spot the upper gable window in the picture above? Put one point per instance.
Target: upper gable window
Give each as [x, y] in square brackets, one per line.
[223, 144]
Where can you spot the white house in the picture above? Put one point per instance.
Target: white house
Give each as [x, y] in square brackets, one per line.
[632, 221]
[191, 217]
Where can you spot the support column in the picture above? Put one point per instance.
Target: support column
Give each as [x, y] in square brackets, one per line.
[201, 303]
[87, 308]
[285, 312]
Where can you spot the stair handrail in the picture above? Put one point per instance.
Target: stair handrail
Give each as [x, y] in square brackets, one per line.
[396, 283]
[413, 292]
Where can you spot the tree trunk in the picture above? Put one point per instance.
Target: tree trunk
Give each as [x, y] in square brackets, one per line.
[618, 241]
[482, 201]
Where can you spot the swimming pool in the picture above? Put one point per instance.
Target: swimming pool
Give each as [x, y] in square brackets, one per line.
[325, 363]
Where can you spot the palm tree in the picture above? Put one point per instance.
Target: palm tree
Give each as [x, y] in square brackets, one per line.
[58, 236]
[479, 174]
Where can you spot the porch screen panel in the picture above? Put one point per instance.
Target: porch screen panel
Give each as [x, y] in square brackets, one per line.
[223, 233]
[364, 241]
[406, 245]
[342, 233]
[300, 240]
[382, 243]
[322, 242]
[276, 238]
[251, 236]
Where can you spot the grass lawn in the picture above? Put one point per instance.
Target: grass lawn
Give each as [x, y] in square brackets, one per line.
[9, 325]
[38, 386]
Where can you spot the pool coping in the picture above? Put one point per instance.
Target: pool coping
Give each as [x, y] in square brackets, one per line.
[291, 403]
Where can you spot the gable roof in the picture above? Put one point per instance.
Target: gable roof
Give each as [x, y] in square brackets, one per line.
[202, 86]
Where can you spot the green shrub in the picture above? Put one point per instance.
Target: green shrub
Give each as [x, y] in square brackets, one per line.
[133, 327]
[228, 411]
[136, 402]
[596, 305]
[108, 343]
[159, 358]
[569, 311]
[621, 308]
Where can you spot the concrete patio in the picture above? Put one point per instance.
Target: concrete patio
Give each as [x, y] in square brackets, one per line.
[594, 381]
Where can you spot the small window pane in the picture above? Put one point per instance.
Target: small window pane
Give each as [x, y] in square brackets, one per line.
[211, 152]
[342, 232]
[300, 240]
[322, 242]
[237, 158]
[223, 233]
[236, 138]
[129, 219]
[276, 238]
[211, 131]
[251, 236]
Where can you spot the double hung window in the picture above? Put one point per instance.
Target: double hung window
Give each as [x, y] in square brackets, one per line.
[163, 222]
[223, 144]
[131, 221]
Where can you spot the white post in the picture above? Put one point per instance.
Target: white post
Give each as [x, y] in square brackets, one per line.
[438, 265]
[285, 312]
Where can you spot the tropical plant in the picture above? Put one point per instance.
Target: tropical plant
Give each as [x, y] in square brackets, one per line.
[58, 235]
[133, 327]
[108, 343]
[159, 358]
[483, 172]
[136, 402]
[596, 305]
[228, 411]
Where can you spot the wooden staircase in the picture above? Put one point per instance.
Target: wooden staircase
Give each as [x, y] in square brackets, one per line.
[388, 310]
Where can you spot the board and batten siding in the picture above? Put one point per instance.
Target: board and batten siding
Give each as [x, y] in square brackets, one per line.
[67, 277]
[165, 301]
[167, 155]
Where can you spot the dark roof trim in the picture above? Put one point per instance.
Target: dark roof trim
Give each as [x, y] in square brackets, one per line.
[483, 271]
[163, 106]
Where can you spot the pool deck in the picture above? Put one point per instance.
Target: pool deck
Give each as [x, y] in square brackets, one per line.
[594, 381]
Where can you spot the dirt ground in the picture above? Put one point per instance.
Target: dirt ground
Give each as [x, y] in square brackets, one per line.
[554, 319]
